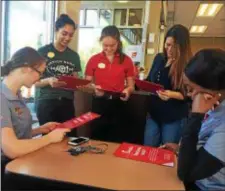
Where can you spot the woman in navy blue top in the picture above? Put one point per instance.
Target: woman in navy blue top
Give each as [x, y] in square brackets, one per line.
[169, 108]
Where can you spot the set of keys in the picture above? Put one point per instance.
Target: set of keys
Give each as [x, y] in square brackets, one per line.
[98, 149]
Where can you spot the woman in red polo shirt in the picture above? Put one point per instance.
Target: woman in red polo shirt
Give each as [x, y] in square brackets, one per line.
[113, 71]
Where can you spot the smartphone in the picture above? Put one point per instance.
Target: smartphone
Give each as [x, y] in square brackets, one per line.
[77, 140]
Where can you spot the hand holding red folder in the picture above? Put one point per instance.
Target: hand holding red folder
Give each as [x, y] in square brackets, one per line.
[148, 86]
[78, 121]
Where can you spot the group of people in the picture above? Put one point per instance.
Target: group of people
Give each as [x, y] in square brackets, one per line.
[187, 116]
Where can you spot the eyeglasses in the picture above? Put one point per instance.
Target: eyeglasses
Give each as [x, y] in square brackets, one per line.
[36, 70]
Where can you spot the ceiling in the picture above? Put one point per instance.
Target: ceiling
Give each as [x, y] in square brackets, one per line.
[113, 4]
[184, 12]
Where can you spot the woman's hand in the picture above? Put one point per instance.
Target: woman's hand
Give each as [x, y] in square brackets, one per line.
[171, 146]
[203, 102]
[57, 135]
[164, 95]
[168, 94]
[98, 91]
[126, 93]
[54, 82]
[48, 127]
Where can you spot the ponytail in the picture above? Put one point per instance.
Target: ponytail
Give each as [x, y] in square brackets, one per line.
[120, 51]
[5, 70]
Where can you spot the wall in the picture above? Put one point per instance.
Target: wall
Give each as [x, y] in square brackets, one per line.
[198, 43]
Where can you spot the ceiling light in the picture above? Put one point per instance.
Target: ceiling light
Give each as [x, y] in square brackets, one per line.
[198, 29]
[208, 10]
[122, 1]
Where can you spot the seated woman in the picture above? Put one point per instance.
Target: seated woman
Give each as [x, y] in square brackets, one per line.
[23, 69]
[201, 161]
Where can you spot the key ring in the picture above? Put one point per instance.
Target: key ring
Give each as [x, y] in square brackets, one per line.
[96, 149]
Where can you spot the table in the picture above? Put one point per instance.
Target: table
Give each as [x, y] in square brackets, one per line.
[95, 170]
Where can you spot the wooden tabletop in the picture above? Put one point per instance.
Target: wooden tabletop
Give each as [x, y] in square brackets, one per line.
[97, 170]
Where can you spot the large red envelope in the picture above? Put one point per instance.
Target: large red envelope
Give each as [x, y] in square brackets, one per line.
[146, 154]
[72, 82]
[148, 86]
[78, 121]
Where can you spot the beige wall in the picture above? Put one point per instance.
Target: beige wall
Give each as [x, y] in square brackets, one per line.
[198, 43]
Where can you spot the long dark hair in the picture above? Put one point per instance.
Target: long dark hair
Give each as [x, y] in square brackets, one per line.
[26, 56]
[207, 69]
[181, 37]
[114, 32]
[64, 20]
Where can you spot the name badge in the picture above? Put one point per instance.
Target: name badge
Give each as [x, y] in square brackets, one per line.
[51, 54]
[101, 65]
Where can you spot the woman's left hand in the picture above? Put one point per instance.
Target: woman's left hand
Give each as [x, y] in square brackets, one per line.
[48, 127]
[126, 93]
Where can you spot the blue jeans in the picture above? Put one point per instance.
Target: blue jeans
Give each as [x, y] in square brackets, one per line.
[157, 134]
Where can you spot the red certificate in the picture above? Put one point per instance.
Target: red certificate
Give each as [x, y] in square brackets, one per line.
[72, 82]
[148, 86]
[78, 121]
[146, 154]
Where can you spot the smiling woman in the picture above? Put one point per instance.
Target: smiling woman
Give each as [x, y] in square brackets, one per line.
[52, 102]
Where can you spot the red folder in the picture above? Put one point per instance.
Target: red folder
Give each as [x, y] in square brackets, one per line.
[78, 121]
[72, 82]
[148, 86]
[146, 154]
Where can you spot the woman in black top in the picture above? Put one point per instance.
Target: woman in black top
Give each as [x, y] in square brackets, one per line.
[168, 109]
[53, 104]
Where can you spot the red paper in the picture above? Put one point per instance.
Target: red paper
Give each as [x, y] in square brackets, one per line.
[72, 82]
[78, 121]
[146, 154]
[148, 86]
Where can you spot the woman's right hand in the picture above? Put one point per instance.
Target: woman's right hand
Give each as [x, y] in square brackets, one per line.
[57, 135]
[54, 82]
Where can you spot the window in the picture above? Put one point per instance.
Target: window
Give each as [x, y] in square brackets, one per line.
[92, 20]
[81, 17]
[27, 23]
[120, 16]
[105, 17]
[91, 17]
[135, 17]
